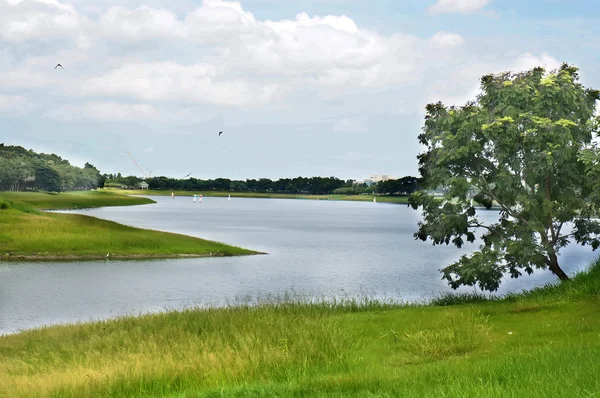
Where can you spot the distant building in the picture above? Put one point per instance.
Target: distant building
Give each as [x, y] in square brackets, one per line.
[374, 179]
[382, 177]
[144, 185]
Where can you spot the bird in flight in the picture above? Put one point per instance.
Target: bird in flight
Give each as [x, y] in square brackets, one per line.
[187, 175]
[220, 132]
[57, 65]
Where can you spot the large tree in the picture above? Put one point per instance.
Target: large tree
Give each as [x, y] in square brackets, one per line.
[47, 179]
[526, 145]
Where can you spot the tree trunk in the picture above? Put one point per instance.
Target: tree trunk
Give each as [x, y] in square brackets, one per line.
[555, 268]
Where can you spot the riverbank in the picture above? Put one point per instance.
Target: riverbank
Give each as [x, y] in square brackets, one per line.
[29, 233]
[235, 194]
[541, 343]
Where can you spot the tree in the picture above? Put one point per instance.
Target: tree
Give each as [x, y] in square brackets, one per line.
[526, 144]
[402, 186]
[47, 179]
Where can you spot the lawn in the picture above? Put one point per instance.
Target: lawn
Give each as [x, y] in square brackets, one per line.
[27, 232]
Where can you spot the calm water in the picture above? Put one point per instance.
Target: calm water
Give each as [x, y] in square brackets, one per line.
[315, 248]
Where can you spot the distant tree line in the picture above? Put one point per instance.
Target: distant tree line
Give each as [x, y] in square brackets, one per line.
[298, 185]
[403, 186]
[25, 170]
[22, 169]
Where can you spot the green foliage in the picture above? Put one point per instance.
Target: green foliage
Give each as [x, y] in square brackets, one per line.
[20, 167]
[47, 179]
[355, 190]
[402, 186]
[526, 144]
[297, 186]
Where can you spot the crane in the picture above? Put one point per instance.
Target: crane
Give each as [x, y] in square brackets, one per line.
[139, 167]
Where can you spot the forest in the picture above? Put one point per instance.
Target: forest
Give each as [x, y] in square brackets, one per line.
[25, 170]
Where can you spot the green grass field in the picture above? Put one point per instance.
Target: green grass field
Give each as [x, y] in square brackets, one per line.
[545, 343]
[360, 198]
[26, 232]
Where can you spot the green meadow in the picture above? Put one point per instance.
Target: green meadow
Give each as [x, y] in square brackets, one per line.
[544, 343]
[27, 232]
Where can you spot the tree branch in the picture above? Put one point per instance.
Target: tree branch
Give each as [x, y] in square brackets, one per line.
[503, 206]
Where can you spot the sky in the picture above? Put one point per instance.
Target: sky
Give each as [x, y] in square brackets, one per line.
[299, 88]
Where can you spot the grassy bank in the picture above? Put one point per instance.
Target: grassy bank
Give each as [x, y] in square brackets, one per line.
[26, 232]
[357, 198]
[541, 344]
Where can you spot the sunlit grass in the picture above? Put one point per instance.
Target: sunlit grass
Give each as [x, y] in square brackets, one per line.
[28, 232]
[544, 343]
[70, 200]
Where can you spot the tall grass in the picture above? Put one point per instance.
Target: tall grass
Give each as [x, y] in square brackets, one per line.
[543, 343]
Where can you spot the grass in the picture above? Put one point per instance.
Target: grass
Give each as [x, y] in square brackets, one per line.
[26, 232]
[538, 344]
[234, 194]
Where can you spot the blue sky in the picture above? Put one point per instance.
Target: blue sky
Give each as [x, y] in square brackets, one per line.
[305, 87]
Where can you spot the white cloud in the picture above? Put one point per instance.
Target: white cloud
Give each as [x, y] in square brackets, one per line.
[140, 23]
[447, 40]
[127, 112]
[529, 61]
[145, 63]
[463, 85]
[163, 81]
[23, 20]
[105, 111]
[457, 6]
[242, 60]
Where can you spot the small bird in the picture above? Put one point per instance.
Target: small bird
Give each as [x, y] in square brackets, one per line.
[57, 65]
[187, 175]
[220, 132]
[107, 254]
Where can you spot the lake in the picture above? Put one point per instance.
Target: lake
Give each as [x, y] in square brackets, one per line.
[315, 248]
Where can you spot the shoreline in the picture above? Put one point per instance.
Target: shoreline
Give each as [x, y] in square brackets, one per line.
[132, 257]
[261, 195]
[38, 227]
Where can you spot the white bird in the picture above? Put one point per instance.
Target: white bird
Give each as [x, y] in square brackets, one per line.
[107, 254]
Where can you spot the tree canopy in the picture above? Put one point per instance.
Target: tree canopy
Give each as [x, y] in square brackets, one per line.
[526, 145]
[22, 169]
[401, 186]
